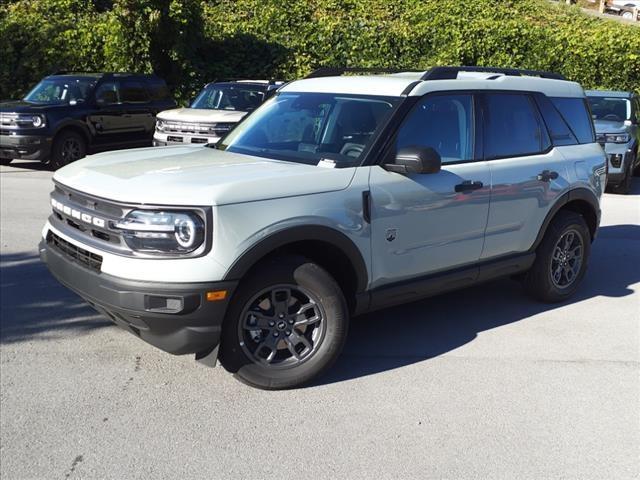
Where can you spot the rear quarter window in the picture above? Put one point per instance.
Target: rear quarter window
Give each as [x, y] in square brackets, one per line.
[576, 113]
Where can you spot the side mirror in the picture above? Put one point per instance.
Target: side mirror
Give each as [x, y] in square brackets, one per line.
[415, 160]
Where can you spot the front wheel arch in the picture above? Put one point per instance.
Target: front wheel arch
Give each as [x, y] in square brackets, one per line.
[327, 247]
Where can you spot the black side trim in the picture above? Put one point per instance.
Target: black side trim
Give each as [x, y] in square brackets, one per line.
[435, 284]
[298, 234]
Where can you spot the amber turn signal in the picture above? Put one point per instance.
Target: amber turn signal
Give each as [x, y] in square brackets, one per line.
[216, 295]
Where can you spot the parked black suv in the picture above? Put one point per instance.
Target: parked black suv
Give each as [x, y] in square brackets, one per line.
[67, 115]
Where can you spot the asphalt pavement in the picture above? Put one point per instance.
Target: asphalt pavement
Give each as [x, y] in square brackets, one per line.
[480, 383]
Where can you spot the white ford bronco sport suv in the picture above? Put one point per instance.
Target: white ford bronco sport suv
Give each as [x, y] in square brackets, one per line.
[340, 195]
[214, 112]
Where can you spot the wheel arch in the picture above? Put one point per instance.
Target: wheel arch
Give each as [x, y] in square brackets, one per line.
[331, 249]
[74, 126]
[580, 200]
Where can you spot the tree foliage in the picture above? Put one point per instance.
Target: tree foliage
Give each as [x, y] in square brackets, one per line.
[190, 42]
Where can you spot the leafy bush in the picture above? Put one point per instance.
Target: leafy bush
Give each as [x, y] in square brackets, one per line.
[190, 42]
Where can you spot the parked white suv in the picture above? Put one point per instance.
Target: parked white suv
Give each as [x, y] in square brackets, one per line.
[213, 113]
[337, 196]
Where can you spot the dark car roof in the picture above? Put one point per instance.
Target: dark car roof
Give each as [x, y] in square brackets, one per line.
[96, 75]
[258, 84]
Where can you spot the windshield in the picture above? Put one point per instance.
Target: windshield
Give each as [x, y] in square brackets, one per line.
[612, 109]
[230, 97]
[61, 90]
[310, 127]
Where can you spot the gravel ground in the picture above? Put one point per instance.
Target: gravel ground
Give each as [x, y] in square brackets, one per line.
[482, 383]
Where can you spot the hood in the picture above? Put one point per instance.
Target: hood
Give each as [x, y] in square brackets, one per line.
[201, 115]
[196, 176]
[607, 126]
[20, 106]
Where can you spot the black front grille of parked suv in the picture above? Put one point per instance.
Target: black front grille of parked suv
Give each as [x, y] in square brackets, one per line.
[82, 256]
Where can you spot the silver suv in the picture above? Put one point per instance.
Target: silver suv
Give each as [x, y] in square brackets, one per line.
[616, 116]
[340, 195]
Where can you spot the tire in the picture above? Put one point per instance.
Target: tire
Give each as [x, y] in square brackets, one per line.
[288, 362]
[68, 146]
[539, 282]
[5, 161]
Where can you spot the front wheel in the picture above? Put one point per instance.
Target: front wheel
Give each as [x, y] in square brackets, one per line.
[287, 324]
[68, 147]
[561, 259]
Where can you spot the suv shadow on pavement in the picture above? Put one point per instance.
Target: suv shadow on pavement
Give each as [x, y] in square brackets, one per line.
[401, 336]
[34, 306]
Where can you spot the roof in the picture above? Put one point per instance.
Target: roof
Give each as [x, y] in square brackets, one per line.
[383, 85]
[609, 93]
[266, 84]
[65, 74]
[410, 83]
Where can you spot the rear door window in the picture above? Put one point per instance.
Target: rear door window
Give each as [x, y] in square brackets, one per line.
[576, 113]
[513, 127]
[133, 91]
[108, 93]
[158, 90]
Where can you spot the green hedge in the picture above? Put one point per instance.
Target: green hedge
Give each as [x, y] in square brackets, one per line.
[191, 42]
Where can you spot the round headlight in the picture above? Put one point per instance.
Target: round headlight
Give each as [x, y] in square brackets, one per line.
[185, 232]
[37, 121]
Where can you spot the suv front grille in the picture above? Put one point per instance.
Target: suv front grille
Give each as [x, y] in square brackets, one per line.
[80, 255]
[217, 129]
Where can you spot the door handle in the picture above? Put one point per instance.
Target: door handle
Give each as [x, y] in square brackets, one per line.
[468, 186]
[547, 175]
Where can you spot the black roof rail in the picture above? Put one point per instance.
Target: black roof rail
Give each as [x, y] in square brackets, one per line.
[451, 73]
[338, 71]
[270, 81]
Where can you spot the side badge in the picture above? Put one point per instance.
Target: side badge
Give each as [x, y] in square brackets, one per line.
[391, 234]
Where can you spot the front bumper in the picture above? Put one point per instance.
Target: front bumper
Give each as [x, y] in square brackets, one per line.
[193, 324]
[163, 139]
[27, 147]
[619, 156]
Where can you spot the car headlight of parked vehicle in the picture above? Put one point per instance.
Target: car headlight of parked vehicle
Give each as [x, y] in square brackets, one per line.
[160, 125]
[22, 120]
[617, 138]
[163, 232]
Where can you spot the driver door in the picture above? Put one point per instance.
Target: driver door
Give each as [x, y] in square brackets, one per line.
[426, 223]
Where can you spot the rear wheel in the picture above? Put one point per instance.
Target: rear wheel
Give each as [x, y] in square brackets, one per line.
[561, 259]
[68, 147]
[286, 325]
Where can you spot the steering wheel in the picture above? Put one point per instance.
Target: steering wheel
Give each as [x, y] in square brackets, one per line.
[352, 150]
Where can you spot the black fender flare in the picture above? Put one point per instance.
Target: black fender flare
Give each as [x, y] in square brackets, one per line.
[297, 234]
[76, 124]
[580, 193]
